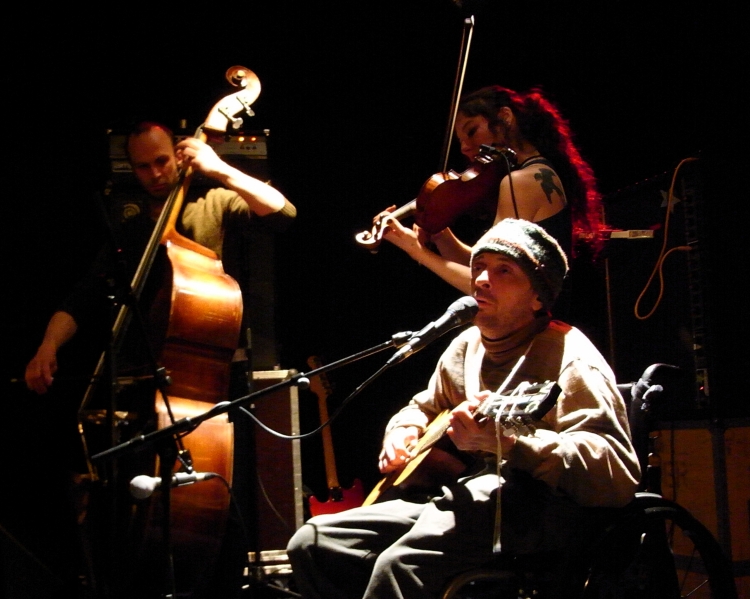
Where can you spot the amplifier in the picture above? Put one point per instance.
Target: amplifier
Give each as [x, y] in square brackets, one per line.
[706, 469]
[278, 464]
[247, 152]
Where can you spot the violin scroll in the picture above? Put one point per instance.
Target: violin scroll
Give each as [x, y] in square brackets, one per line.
[371, 239]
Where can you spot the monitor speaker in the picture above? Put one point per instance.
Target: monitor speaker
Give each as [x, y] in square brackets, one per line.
[655, 283]
[277, 479]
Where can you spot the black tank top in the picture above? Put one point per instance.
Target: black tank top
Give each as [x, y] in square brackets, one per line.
[559, 226]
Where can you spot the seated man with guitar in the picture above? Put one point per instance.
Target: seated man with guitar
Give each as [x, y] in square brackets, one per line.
[533, 487]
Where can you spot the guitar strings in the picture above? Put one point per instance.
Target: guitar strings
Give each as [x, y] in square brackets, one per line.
[497, 545]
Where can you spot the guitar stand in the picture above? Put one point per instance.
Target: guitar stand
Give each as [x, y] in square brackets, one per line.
[167, 451]
[268, 585]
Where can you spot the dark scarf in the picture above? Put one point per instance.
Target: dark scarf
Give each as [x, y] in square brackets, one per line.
[502, 354]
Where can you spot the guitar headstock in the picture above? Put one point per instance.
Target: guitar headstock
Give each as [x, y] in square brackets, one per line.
[319, 384]
[520, 409]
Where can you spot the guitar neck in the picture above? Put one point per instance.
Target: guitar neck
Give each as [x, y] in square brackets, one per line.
[328, 454]
[321, 387]
[435, 431]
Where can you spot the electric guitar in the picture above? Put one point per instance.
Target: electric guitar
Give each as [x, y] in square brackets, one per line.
[517, 413]
[339, 499]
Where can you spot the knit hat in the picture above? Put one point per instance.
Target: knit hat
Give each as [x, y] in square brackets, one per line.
[540, 256]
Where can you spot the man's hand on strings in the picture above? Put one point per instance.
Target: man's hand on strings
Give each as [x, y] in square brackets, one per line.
[398, 447]
[471, 434]
[192, 152]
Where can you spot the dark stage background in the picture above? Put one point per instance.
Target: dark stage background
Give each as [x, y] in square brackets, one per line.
[356, 98]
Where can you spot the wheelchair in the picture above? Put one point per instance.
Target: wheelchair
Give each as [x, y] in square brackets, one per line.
[651, 549]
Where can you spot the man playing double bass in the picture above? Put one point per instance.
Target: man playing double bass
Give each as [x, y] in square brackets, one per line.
[214, 220]
[155, 162]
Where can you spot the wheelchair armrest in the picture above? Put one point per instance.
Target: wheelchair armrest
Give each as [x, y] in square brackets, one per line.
[643, 396]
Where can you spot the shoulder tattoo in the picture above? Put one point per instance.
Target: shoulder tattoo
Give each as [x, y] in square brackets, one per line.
[546, 178]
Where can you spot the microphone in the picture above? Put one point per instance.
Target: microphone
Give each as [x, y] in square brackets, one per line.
[143, 486]
[460, 312]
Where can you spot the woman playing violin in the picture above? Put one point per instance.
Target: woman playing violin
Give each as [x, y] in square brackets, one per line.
[552, 185]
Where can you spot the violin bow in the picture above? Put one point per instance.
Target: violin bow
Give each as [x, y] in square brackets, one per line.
[463, 59]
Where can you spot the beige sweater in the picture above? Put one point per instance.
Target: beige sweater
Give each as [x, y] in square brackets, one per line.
[583, 448]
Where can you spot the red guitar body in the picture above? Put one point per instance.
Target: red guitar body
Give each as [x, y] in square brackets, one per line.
[339, 500]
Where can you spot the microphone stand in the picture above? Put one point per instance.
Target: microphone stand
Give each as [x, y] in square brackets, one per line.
[126, 311]
[188, 424]
[166, 439]
[167, 455]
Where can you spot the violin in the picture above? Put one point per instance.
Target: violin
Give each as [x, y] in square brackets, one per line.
[446, 196]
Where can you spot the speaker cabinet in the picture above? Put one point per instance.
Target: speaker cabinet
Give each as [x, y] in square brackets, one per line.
[656, 285]
[706, 469]
[277, 478]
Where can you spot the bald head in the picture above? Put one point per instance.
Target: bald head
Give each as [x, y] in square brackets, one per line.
[151, 152]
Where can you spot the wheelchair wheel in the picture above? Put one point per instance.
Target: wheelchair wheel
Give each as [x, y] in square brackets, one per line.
[489, 583]
[534, 576]
[658, 550]
[655, 549]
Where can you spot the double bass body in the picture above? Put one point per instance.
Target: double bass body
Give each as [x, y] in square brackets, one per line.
[204, 326]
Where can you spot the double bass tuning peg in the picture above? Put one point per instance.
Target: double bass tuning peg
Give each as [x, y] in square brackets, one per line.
[227, 110]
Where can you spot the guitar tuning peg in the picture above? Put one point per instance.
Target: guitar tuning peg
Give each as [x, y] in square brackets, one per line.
[519, 427]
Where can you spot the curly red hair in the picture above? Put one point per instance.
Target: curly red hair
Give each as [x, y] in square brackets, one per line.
[541, 124]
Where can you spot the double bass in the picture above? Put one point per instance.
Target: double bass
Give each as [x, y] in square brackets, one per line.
[201, 321]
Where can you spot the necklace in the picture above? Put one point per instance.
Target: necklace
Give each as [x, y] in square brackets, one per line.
[537, 155]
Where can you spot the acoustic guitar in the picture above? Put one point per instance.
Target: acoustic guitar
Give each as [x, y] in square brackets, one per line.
[339, 499]
[517, 412]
